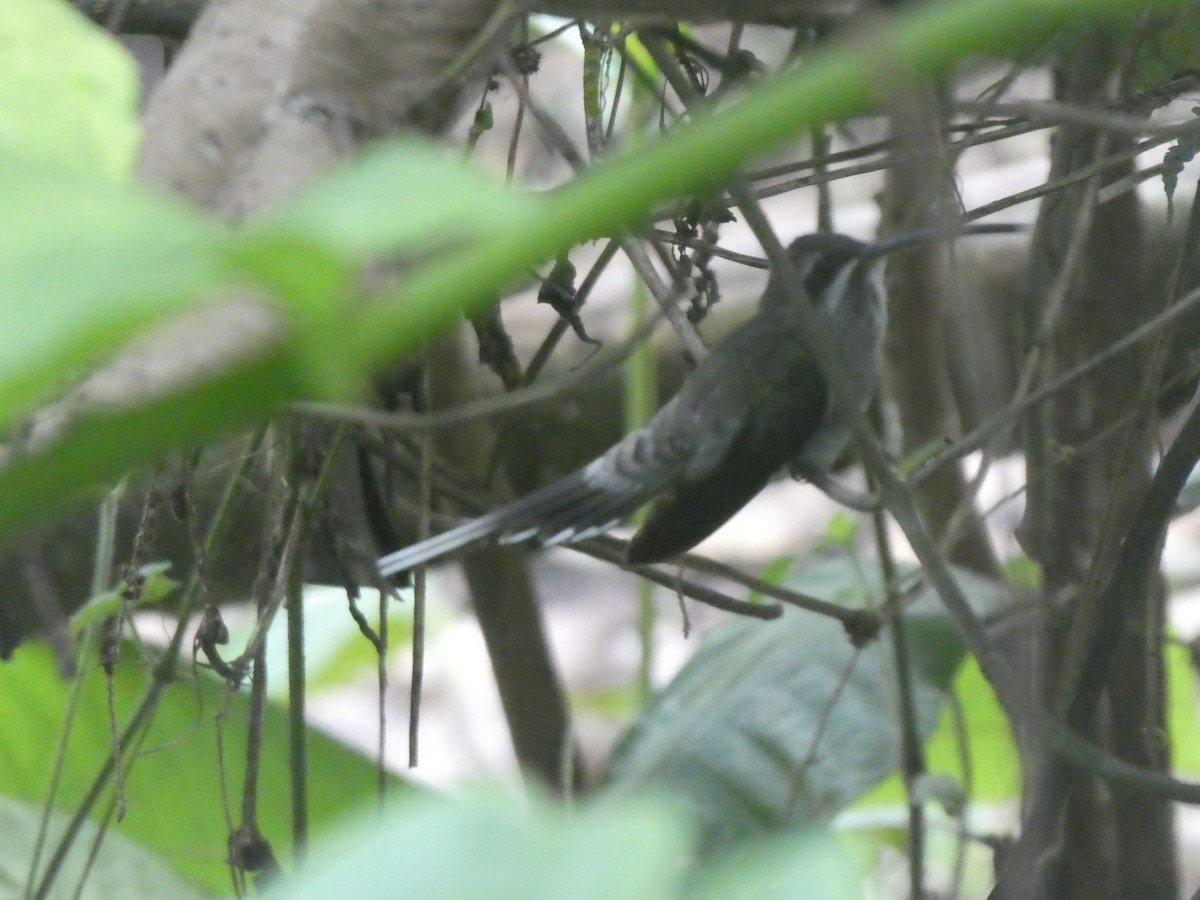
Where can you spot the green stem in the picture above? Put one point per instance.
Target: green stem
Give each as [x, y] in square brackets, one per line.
[626, 188]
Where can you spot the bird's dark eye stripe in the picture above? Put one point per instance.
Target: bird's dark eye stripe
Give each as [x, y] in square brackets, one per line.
[821, 275]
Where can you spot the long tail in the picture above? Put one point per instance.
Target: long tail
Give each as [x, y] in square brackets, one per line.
[438, 546]
[572, 508]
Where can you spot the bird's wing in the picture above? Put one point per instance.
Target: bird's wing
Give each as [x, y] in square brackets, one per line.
[696, 506]
[739, 411]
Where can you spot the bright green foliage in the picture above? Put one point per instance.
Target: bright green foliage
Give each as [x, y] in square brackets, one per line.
[92, 264]
[489, 847]
[404, 194]
[174, 789]
[68, 92]
[993, 765]
[1183, 711]
[124, 868]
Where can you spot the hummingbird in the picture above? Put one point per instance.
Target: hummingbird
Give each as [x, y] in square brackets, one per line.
[758, 403]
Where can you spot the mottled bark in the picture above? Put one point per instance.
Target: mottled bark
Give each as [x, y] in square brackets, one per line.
[1088, 452]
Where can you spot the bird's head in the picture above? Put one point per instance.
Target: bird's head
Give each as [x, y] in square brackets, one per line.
[830, 266]
[824, 262]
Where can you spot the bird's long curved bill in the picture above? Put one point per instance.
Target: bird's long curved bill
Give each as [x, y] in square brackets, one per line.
[883, 246]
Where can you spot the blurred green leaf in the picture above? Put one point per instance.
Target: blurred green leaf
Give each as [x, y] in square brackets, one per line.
[773, 573]
[492, 847]
[994, 765]
[994, 769]
[402, 195]
[841, 529]
[1166, 45]
[68, 92]
[618, 703]
[93, 265]
[1021, 571]
[813, 865]
[174, 790]
[489, 846]
[1183, 710]
[122, 869]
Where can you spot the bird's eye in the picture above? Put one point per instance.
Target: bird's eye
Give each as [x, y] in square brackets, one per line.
[820, 276]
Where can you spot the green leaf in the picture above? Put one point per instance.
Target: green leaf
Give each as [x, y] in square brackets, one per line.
[770, 726]
[492, 847]
[175, 777]
[995, 773]
[754, 734]
[1022, 571]
[403, 195]
[1183, 721]
[1166, 45]
[68, 92]
[122, 869]
[773, 572]
[779, 725]
[92, 265]
[841, 529]
[810, 866]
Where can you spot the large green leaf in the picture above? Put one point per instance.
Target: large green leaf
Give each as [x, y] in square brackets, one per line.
[68, 91]
[810, 866]
[780, 725]
[174, 790]
[491, 847]
[123, 871]
[400, 194]
[86, 265]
